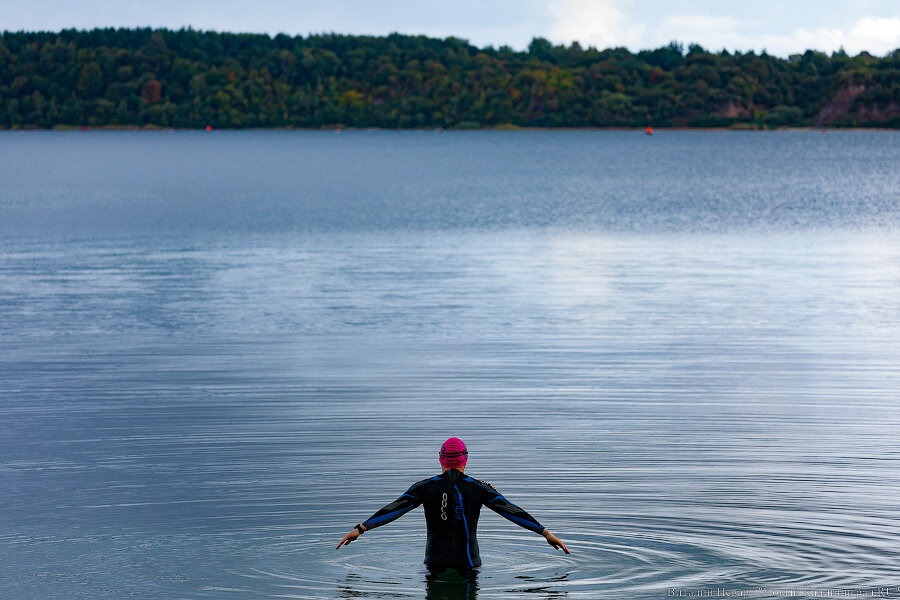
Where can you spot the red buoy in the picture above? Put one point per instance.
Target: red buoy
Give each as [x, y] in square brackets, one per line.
[209, 127]
[649, 131]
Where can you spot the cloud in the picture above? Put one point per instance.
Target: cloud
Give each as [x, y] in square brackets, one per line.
[799, 40]
[878, 35]
[601, 23]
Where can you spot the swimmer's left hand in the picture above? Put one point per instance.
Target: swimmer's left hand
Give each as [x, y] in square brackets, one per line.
[354, 533]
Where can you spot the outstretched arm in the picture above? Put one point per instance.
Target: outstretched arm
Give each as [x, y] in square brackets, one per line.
[496, 502]
[392, 511]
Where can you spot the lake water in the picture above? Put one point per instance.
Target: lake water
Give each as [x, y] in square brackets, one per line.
[220, 351]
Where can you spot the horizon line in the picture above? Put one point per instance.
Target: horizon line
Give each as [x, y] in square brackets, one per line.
[489, 47]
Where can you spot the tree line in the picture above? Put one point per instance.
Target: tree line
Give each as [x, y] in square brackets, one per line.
[194, 79]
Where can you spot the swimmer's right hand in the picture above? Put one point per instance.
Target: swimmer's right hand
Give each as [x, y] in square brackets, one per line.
[555, 541]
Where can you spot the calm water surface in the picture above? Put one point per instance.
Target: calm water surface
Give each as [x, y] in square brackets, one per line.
[218, 352]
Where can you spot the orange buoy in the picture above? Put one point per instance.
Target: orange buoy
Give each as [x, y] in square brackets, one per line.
[649, 131]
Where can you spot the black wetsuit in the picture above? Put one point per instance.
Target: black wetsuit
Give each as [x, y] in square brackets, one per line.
[452, 502]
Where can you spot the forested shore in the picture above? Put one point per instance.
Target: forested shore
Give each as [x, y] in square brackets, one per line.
[196, 79]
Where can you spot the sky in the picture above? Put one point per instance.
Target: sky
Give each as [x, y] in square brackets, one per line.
[780, 27]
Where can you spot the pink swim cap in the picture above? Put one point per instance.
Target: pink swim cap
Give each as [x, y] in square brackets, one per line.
[453, 454]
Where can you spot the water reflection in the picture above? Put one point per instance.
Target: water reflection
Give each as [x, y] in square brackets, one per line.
[451, 584]
[448, 583]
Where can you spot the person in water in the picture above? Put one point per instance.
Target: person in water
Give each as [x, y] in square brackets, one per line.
[453, 501]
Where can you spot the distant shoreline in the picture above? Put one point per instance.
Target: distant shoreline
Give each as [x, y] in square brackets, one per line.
[640, 130]
[187, 79]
